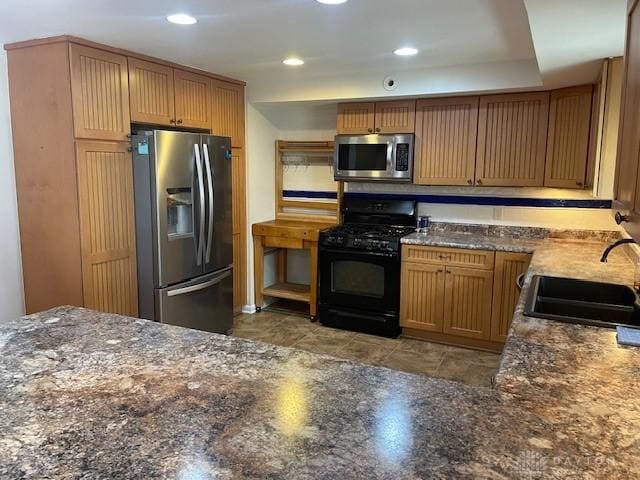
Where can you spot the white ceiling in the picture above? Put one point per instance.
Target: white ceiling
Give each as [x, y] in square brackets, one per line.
[464, 45]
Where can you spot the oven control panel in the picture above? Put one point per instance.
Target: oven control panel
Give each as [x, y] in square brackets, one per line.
[356, 243]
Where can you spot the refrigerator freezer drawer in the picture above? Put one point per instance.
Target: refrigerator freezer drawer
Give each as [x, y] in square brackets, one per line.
[204, 303]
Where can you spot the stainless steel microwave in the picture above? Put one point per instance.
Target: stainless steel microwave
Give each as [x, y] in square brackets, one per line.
[379, 158]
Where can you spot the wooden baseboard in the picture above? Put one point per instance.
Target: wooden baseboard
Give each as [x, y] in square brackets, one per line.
[485, 345]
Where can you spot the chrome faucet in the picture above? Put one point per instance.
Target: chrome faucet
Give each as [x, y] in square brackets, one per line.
[615, 244]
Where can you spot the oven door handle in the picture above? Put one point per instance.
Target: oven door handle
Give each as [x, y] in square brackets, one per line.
[359, 252]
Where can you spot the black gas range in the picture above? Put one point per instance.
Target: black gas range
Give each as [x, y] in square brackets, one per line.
[359, 266]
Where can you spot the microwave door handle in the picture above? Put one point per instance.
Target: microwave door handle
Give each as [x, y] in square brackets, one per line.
[207, 166]
[201, 213]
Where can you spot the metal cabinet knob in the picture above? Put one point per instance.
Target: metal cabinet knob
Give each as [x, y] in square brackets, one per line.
[620, 218]
[479, 181]
[370, 130]
[173, 120]
[470, 182]
[180, 122]
[578, 183]
[378, 130]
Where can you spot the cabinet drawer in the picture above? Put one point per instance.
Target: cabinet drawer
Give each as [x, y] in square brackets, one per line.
[283, 242]
[481, 259]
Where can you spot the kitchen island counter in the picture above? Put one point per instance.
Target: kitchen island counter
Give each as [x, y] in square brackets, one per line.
[92, 395]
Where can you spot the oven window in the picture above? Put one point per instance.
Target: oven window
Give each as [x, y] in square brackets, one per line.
[362, 157]
[357, 278]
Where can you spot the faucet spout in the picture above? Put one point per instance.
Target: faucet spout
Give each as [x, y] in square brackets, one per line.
[615, 244]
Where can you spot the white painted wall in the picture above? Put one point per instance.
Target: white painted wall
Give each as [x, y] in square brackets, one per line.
[11, 291]
[261, 137]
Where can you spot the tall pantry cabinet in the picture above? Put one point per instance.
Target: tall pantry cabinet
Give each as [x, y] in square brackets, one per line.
[71, 111]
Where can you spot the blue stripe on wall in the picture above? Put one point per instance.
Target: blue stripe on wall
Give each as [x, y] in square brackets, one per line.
[309, 194]
[486, 200]
[462, 199]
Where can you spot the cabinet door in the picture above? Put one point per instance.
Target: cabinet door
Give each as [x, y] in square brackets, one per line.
[227, 111]
[422, 296]
[192, 99]
[509, 266]
[568, 137]
[107, 229]
[512, 139]
[151, 93]
[467, 306]
[100, 94]
[627, 168]
[445, 148]
[395, 117]
[356, 118]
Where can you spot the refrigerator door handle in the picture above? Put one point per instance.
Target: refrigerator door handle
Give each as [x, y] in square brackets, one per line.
[207, 164]
[196, 149]
[200, 286]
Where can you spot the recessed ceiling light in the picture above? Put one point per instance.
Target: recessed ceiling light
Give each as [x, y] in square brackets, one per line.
[182, 19]
[331, 2]
[293, 62]
[406, 51]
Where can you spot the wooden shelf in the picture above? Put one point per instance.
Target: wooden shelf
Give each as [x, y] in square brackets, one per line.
[290, 291]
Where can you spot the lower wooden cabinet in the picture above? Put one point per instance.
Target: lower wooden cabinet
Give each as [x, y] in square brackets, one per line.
[467, 302]
[451, 297]
[422, 287]
[509, 266]
[107, 227]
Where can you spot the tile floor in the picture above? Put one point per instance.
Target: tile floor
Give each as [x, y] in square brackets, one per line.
[468, 366]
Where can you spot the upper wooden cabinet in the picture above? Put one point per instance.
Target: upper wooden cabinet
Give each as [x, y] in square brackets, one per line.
[151, 92]
[445, 143]
[356, 118]
[627, 178]
[395, 117]
[512, 139]
[100, 93]
[162, 95]
[227, 111]
[568, 137]
[376, 117]
[192, 99]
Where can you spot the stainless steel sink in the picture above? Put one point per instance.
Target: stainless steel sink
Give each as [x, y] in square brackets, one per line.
[582, 302]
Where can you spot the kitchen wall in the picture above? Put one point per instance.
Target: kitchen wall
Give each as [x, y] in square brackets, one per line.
[11, 291]
[267, 123]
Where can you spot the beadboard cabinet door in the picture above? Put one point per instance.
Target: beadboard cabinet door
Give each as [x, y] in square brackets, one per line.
[512, 139]
[107, 226]
[192, 99]
[152, 93]
[227, 111]
[568, 137]
[467, 302]
[627, 178]
[445, 144]
[100, 93]
[356, 118]
[422, 300]
[395, 117]
[506, 293]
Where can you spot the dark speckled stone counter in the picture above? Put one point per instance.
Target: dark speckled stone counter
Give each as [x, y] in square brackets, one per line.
[90, 395]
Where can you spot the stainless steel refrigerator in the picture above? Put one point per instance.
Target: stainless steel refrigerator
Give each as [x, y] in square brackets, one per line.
[183, 225]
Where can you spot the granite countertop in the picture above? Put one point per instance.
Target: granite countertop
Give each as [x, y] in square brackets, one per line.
[91, 395]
